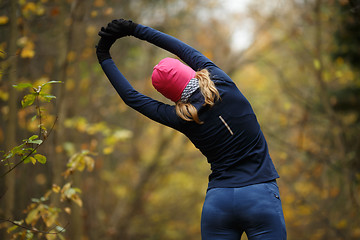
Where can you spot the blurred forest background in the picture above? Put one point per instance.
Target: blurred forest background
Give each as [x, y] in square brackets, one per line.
[92, 168]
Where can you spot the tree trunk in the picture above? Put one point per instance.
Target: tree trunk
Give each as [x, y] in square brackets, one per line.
[66, 44]
[57, 157]
[11, 124]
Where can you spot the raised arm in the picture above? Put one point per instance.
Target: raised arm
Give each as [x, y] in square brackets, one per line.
[191, 56]
[155, 110]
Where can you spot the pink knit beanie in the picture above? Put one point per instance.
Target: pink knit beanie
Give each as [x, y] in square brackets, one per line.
[170, 77]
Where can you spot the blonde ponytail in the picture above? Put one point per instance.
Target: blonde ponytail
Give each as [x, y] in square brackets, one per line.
[208, 89]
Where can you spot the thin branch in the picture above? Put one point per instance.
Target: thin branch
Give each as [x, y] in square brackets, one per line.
[22, 160]
[35, 230]
[39, 114]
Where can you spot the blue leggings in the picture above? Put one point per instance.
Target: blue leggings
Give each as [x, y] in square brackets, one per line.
[254, 209]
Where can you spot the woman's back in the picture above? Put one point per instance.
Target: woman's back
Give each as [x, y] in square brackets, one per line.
[230, 137]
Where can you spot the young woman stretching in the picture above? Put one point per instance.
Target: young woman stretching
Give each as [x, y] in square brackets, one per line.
[242, 194]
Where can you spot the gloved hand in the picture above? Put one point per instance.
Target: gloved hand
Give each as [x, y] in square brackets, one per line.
[118, 28]
[103, 48]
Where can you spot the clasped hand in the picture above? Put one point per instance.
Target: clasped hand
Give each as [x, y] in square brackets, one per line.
[118, 28]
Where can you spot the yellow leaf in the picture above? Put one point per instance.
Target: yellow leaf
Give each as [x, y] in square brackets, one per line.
[66, 187]
[28, 50]
[32, 216]
[71, 56]
[93, 13]
[47, 194]
[121, 191]
[22, 41]
[89, 163]
[91, 30]
[33, 160]
[4, 95]
[70, 84]
[342, 224]
[76, 199]
[4, 20]
[49, 217]
[40, 10]
[317, 64]
[99, 3]
[30, 6]
[305, 210]
[56, 188]
[50, 236]
[67, 210]
[108, 11]
[108, 150]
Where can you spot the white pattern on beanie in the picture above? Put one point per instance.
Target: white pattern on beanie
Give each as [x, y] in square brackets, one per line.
[190, 88]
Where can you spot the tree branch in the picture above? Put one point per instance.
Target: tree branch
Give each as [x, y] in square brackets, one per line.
[34, 229]
[29, 154]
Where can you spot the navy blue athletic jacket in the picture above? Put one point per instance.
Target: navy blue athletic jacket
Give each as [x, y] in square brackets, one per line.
[230, 137]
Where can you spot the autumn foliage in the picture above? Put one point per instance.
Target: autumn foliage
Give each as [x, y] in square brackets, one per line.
[77, 163]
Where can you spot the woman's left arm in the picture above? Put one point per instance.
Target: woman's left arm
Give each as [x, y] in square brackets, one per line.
[153, 109]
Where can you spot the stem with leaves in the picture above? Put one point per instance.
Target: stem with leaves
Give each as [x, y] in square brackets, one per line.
[26, 150]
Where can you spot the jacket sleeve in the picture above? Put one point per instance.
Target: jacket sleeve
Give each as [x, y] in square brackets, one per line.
[188, 54]
[192, 57]
[153, 109]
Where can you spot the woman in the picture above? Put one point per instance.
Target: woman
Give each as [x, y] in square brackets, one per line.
[242, 194]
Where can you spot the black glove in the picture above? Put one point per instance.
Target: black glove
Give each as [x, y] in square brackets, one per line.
[118, 28]
[103, 48]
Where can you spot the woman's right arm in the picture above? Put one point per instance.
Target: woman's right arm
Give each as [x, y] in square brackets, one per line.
[188, 54]
[192, 57]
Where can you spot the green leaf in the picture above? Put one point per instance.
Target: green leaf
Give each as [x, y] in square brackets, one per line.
[9, 230]
[27, 160]
[25, 151]
[29, 235]
[36, 141]
[18, 149]
[43, 199]
[28, 100]
[35, 200]
[40, 158]
[60, 229]
[8, 155]
[50, 82]
[23, 85]
[47, 97]
[33, 137]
